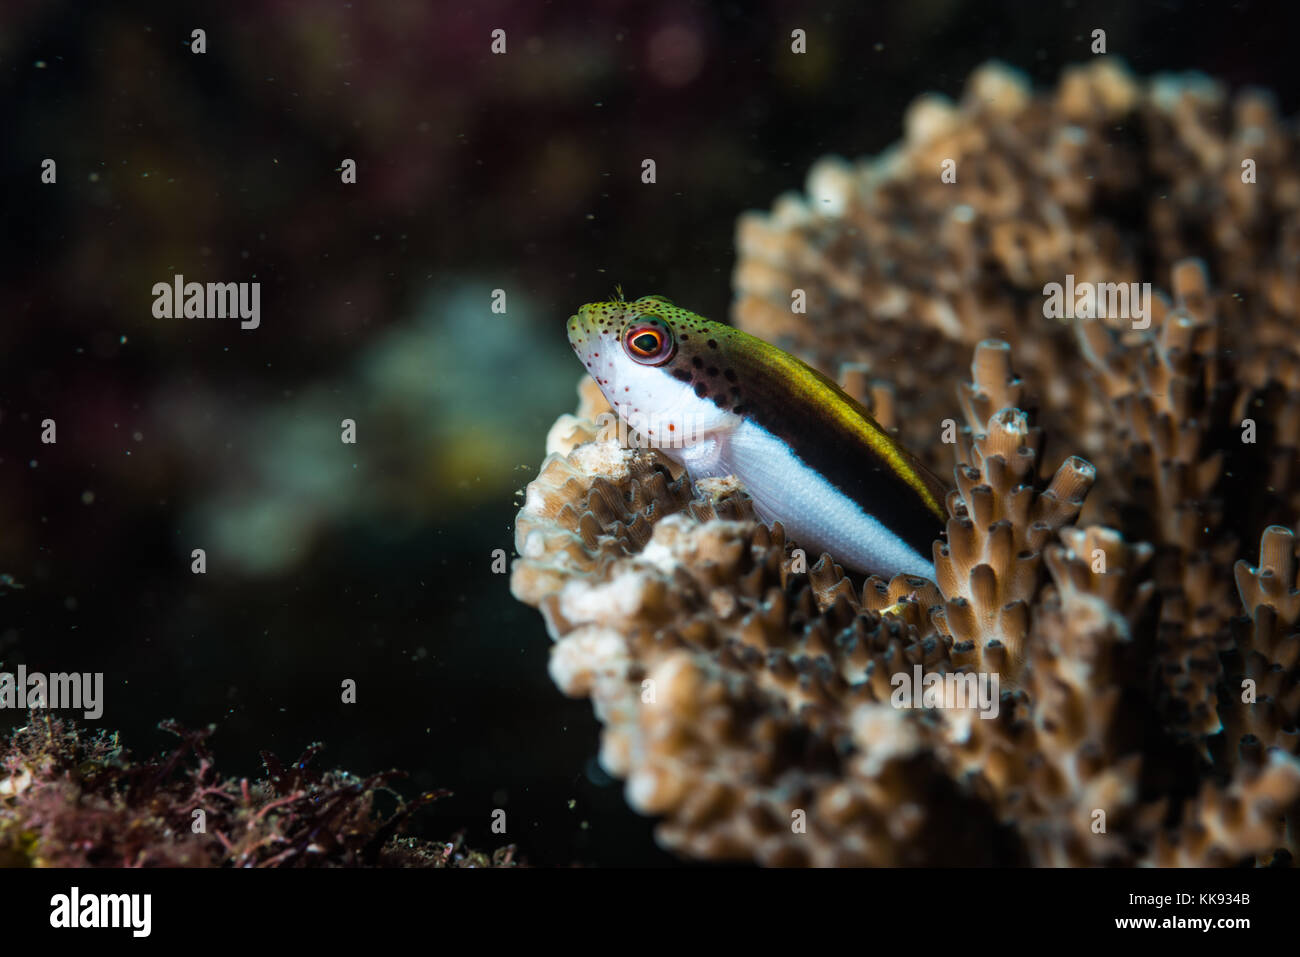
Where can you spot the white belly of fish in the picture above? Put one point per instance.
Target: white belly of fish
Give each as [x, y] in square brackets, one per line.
[815, 514]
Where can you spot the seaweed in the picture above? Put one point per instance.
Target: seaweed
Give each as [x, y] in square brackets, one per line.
[69, 798]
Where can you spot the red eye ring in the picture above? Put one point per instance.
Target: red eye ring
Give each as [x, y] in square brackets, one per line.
[646, 343]
[649, 341]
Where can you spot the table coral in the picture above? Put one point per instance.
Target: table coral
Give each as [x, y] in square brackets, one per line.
[1110, 478]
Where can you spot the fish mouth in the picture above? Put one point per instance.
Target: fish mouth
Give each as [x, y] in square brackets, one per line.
[593, 333]
[584, 331]
[580, 337]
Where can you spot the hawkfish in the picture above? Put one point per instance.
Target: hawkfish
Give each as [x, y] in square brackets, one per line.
[721, 403]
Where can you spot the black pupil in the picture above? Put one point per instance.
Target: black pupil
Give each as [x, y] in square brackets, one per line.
[646, 342]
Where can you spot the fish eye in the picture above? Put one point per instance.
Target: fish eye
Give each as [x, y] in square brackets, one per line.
[649, 341]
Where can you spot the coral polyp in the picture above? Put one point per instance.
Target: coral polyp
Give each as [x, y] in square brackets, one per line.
[1120, 544]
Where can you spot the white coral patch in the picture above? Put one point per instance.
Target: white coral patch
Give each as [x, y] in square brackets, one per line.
[669, 543]
[582, 655]
[612, 602]
[930, 117]
[885, 734]
[568, 432]
[607, 459]
[679, 539]
[830, 186]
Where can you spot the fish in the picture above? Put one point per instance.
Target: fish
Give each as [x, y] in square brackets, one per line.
[721, 402]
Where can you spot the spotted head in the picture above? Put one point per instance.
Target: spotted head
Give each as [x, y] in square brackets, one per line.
[661, 367]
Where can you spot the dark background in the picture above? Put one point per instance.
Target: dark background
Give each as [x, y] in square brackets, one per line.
[521, 172]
